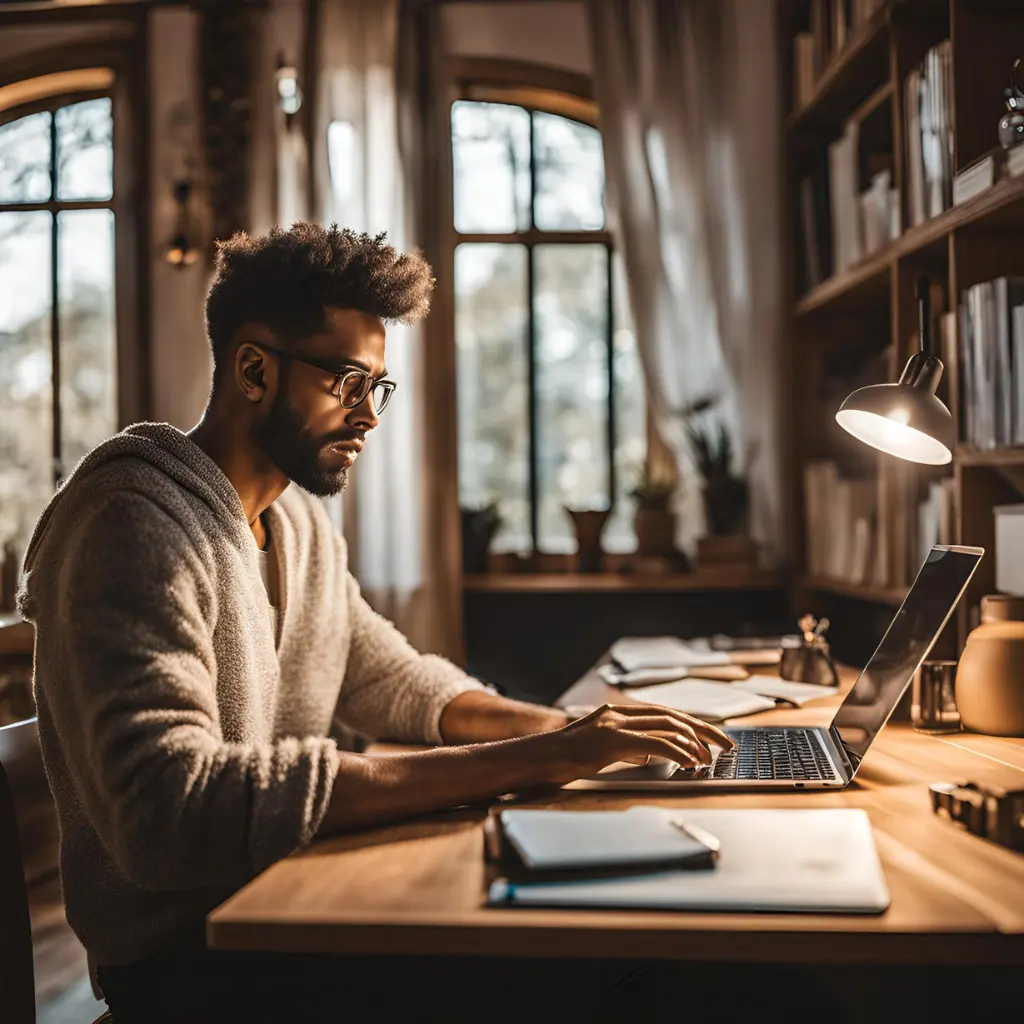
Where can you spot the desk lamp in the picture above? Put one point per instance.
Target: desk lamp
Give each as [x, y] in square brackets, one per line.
[905, 419]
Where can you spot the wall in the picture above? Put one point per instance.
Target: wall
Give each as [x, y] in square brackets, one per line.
[540, 33]
[180, 360]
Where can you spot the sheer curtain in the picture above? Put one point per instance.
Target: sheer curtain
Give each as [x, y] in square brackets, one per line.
[390, 507]
[690, 118]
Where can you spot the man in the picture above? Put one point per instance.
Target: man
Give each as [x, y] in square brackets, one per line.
[199, 637]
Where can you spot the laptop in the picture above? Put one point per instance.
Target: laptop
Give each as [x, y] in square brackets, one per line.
[774, 757]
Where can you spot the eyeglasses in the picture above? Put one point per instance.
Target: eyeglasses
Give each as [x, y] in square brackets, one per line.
[351, 384]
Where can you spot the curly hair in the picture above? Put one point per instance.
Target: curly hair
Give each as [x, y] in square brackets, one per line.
[284, 280]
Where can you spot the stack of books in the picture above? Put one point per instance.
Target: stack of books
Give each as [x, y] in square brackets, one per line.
[991, 347]
[831, 24]
[843, 542]
[928, 111]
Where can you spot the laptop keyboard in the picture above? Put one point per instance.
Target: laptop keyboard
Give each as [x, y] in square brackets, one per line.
[773, 754]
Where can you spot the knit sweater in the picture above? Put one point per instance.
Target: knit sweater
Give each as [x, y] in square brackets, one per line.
[188, 748]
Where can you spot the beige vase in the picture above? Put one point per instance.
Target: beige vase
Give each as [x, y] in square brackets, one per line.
[990, 676]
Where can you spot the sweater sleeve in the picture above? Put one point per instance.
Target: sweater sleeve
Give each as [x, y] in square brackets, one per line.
[174, 803]
[390, 690]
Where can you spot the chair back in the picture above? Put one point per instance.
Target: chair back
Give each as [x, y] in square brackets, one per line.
[19, 746]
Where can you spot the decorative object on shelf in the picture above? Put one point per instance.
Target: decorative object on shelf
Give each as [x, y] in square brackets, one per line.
[990, 676]
[479, 526]
[933, 698]
[1011, 124]
[726, 496]
[654, 520]
[905, 419]
[808, 658]
[588, 524]
[181, 247]
[227, 55]
[991, 812]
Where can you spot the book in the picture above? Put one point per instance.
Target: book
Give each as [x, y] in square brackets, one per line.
[532, 843]
[927, 103]
[974, 179]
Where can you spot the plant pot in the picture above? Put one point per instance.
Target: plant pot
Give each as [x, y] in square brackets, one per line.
[478, 529]
[655, 532]
[726, 501]
[990, 676]
[588, 524]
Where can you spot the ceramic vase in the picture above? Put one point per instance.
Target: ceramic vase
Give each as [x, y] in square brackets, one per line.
[990, 676]
[588, 524]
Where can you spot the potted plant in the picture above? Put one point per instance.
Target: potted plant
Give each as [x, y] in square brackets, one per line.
[479, 525]
[726, 495]
[654, 520]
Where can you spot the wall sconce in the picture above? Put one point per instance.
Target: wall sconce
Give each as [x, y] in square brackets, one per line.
[180, 250]
[289, 92]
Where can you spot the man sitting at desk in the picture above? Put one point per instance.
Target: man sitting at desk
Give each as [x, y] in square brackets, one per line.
[198, 636]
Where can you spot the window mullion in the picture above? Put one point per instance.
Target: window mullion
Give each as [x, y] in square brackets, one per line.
[531, 322]
[610, 341]
[56, 424]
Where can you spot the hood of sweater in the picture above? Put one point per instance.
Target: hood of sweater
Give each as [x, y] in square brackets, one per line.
[147, 458]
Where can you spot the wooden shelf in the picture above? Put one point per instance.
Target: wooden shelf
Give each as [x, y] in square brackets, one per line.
[725, 578]
[864, 58]
[993, 457]
[858, 591]
[1001, 206]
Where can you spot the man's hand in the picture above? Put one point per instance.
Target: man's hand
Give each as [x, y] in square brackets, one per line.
[477, 716]
[374, 790]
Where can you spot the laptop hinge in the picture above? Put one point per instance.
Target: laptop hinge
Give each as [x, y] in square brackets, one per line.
[850, 758]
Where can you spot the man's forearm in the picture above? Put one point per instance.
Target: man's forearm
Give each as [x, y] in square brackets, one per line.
[369, 790]
[479, 717]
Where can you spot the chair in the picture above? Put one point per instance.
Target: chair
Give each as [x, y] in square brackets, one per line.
[19, 752]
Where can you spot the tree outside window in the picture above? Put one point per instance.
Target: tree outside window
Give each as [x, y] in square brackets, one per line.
[58, 379]
[550, 390]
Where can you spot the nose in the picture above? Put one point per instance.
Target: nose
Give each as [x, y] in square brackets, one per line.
[364, 416]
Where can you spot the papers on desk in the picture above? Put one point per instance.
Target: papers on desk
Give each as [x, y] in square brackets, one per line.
[782, 689]
[632, 653]
[820, 860]
[704, 698]
[615, 676]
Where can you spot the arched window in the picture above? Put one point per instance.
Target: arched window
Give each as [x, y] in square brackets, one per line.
[58, 354]
[550, 393]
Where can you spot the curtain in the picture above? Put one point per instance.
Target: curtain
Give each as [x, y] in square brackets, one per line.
[690, 118]
[370, 147]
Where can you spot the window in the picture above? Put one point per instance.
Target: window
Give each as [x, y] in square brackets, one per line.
[550, 393]
[58, 394]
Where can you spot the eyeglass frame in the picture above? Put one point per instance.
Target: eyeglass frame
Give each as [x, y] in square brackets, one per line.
[340, 375]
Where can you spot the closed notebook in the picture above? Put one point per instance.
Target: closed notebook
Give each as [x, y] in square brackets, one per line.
[538, 842]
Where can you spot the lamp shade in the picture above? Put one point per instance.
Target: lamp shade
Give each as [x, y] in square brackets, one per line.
[905, 420]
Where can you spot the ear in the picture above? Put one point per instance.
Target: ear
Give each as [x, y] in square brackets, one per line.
[255, 372]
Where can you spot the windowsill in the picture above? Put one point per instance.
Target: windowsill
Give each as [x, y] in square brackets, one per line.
[709, 579]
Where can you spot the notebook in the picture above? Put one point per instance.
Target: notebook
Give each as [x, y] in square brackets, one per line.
[703, 698]
[546, 842]
[644, 652]
[811, 860]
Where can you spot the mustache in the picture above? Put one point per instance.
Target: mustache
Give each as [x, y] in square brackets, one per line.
[348, 435]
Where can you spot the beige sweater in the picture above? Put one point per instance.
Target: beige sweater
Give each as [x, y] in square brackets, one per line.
[186, 751]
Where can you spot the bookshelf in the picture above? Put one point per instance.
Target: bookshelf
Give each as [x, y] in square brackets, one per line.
[864, 80]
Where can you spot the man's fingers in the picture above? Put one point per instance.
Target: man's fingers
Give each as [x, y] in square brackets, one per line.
[670, 745]
[707, 732]
[667, 725]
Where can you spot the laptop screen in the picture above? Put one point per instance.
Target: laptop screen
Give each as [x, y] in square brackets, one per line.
[906, 644]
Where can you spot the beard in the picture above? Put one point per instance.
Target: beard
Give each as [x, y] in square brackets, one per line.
[290, 446]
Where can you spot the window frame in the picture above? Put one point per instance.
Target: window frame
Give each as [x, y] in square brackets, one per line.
[547, 92]
[124, 53]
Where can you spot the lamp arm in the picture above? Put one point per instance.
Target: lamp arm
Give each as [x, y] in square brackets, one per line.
[924, 315]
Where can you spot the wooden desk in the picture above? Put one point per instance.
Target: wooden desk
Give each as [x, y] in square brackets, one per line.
[419, 887]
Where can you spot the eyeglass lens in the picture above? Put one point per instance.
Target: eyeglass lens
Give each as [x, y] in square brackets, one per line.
[355, 387]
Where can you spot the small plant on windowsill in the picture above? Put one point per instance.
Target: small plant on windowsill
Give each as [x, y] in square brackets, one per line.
[726, 495]
[654, 520]
[479, 525]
